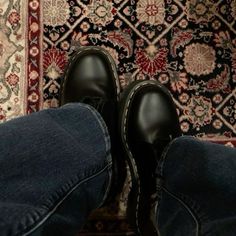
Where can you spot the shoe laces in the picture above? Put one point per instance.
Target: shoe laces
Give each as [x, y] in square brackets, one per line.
[97, 102]
[158, 183]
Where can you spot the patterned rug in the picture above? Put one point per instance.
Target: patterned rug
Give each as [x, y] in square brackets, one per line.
[20, 58]
[187, 45]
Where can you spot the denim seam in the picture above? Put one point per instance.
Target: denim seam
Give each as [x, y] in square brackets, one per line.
[43, 219]
[103, 126]
[108, 186]
[101, 123]
[162, 160]
[185, 205]
[201, 215]
[107, 142]
[160, 167]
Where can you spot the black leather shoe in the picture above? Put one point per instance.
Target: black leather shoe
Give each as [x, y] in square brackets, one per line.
[148, 122]
[91, 78]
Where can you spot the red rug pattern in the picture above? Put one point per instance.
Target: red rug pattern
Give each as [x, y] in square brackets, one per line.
[187, 45]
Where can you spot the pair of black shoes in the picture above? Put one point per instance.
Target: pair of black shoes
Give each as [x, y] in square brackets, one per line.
[141, 122]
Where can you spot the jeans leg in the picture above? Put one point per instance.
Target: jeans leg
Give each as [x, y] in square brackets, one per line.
[55, 168]
[198, 189]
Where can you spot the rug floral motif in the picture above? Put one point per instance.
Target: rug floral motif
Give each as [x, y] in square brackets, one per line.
[189, 46]
[20, 52]
[11, 59]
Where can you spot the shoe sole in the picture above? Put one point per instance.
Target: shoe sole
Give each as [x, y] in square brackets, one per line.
[135, 197]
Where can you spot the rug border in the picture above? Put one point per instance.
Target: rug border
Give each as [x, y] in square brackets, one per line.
[34, 87]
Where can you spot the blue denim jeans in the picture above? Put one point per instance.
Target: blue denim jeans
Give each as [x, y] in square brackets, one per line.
[198, 189]
[55, 168]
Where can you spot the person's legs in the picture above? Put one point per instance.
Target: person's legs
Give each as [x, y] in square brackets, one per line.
[91, 78]
[55, 167]
[180, 185]
[148, 122]
[198, 189]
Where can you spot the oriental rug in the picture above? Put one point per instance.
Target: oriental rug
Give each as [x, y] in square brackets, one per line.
[187, 45]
